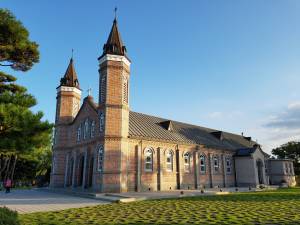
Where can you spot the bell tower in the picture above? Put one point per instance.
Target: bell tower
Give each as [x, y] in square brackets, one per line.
[67, 106]
[68, 96]
[67, 103]
[114, 71]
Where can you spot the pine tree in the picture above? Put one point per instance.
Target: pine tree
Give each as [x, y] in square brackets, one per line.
[21, 130]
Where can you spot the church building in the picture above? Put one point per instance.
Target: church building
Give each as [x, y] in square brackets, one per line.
[105, 147]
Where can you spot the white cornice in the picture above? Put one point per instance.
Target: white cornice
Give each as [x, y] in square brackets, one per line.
[118, 58]
[69, 89]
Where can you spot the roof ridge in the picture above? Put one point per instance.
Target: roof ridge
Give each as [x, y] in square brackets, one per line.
[197, 126]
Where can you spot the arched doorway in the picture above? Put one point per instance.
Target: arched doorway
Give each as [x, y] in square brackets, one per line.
[260, 166]
[70, 173]
[91, 169]
[81, 168]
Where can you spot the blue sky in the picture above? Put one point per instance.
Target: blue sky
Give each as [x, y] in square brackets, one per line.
[230, 65]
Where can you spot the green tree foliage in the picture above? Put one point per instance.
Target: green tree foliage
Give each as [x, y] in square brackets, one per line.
[21, 131]
[289, 150]
[16, 50]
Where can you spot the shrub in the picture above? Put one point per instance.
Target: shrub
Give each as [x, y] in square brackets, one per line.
[8, 217]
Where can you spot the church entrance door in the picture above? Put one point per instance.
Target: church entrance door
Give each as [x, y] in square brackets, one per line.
[81, 168]
[260, 171]
[70, 173]
[91, 169]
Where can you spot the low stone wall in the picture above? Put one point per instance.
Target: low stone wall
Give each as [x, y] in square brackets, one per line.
[298, 180]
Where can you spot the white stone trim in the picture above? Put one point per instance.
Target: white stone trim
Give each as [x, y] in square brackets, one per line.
[69, 89]
[118, 58]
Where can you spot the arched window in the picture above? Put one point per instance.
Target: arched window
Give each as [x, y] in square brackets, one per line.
[54, 163]
[93, 129]
[228, 165]
[79, 133]
[149, 160]
[55, 137]
[125, 89]
[100, 158]
[202, 163]
[86, 129]
[169, 160]
[102, 88]
[286, 168]
[187, 162]
[101, 122]
[216, 163]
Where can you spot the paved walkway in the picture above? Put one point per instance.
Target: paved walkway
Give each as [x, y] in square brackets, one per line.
[183, 193]
[27, 201]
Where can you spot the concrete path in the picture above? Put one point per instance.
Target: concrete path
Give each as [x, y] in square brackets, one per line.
[136, 196]
[28, 201]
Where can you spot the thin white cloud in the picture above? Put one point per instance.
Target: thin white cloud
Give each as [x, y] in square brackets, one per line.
[282, 127]
[215, 115]
[288, 119]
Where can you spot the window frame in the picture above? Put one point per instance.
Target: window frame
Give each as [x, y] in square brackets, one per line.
[100, 156]
[187, 164]
[85, 129]
[101, 122]
[103, 88]
[125, 89]
[202, 165]
[93, 124]
[228, 166]
[216, 166]
[148, 153]
[169, 165]
[286, 168]
[79, 133]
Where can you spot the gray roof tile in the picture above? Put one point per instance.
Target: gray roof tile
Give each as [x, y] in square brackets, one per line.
[149, 127]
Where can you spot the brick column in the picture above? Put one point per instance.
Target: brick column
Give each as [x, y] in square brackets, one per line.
[159, 174]
[138, 168]
[224, 170]
[196, 169]
[210, 169]
[84, 169]
[66, 170]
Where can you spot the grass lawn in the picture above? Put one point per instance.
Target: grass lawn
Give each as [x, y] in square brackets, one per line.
[269, 207]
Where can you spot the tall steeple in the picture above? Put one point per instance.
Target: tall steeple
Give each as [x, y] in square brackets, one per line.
[70, 78]
[114, 44]
[114, 80]
[68, 96]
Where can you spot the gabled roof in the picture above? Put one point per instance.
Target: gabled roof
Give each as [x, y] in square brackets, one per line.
[87, 101]
[149, 127]
[70, 78]
[114, 44]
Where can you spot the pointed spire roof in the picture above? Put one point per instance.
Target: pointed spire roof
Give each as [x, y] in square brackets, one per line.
[70, 78]
[114, 44]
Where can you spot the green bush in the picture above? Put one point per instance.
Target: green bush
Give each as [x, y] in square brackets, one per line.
[8, 217]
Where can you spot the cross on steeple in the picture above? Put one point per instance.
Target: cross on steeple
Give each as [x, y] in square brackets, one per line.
[115, 10]
[89, 91]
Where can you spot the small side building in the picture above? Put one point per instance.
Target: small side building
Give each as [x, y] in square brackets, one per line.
[281, 171]
[251, 164]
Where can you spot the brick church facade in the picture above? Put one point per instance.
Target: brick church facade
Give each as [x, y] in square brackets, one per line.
[105, 147]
